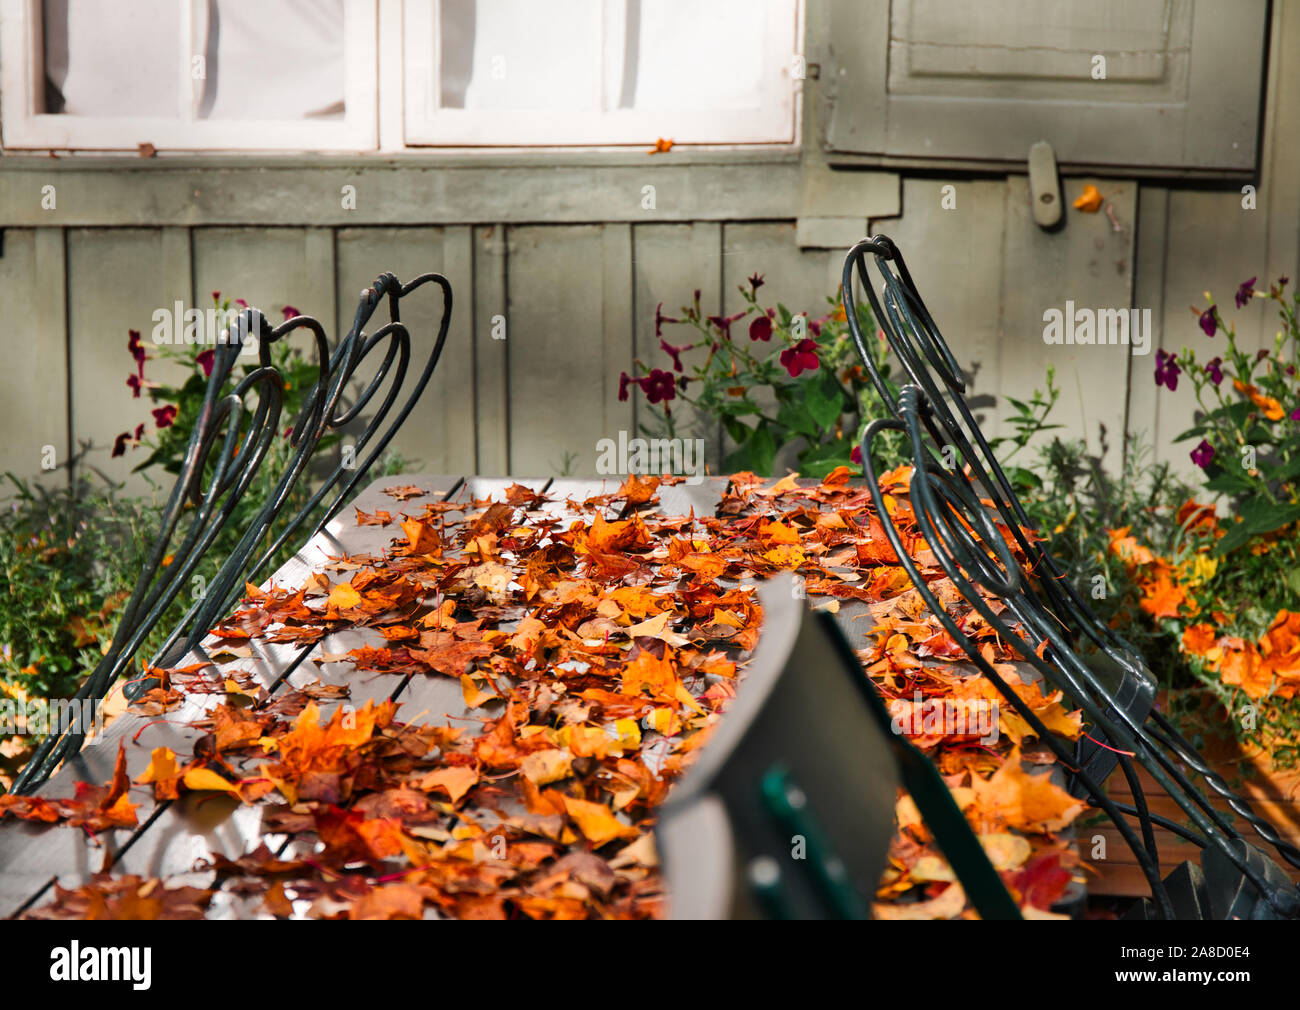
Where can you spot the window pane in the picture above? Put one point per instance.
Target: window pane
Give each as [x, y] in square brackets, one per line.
[274, 59]
[684, 54]
[519, 54]
[116, 59]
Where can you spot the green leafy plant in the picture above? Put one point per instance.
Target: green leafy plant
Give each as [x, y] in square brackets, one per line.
[71, 554]
[786, 380]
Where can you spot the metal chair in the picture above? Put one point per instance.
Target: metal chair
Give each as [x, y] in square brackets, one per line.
[959, 512]
[789, 811]
[222, 458]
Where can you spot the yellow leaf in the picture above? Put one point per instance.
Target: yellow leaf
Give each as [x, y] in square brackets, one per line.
[596, 822]
[206, 780]
[473, 694]
[343, 597]
[455, 780]
[545, 766]
[162, 766]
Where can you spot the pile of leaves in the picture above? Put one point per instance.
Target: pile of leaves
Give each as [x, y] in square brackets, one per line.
[595, 644]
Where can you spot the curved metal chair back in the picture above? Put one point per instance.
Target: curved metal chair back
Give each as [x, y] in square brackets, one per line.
[970, 517]
[225, 452]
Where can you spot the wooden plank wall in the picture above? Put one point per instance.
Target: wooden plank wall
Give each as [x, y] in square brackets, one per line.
[579, 303]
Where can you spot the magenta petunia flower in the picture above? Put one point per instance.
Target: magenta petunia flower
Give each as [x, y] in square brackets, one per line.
[1167, 370]
[674, 351]
[289, 312]
[623, 380]
[1208, 321]
[856, 455]
[659, 385]
[205, 361]
[133, 381]
[164, 416]
[723, 323]
[1203, 454]
[1245, 291]
[119, 444]
[800, 358]
[755, 281]
[760, 328]
[1215, 370]
[660, 319]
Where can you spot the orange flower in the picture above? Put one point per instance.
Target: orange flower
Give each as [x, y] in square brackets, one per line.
[1163, 597]
[1281, 644]
[1198, 639]
[1127, 548]
[1271, 408]
[1242, 667]
[1204, 515]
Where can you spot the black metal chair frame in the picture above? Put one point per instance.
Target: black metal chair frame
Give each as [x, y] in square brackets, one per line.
[227, 454]
[1113, 684]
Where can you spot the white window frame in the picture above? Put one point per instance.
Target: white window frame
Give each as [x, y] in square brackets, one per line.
[429, 125]
[22, 75]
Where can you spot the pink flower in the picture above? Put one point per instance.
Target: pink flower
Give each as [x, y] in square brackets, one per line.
[801, 357]
[856, 455]
[760, 328]
[289, 312]
[205, 360]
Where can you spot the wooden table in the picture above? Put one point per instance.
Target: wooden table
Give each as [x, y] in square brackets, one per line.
[172, 836]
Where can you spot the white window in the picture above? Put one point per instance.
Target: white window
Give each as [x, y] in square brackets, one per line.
[590, 72]
[367, 75]
[189, 74]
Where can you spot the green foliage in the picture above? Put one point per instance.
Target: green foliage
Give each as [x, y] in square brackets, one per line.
[779, 379]
[71, 554]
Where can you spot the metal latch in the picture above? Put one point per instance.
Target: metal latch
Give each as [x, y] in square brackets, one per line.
[1044, 185]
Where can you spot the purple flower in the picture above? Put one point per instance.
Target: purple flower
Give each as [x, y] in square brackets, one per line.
[1245, 291]
[801, 357]
[134, 382]
[755, 281]
[723, 323]
[674, 351]
[1215, 370]
[1261, 354]
[136, 348]
[164, 417]
[660, 319]
[1167, 370]
[1208, 321]
[119, 444]
[659, 385]
[1203, 454]
[760, 328]
[623, 380]
[1295, 414]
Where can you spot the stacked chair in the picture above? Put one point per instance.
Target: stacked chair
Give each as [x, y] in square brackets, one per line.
[1045, 621]
[365, 376]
